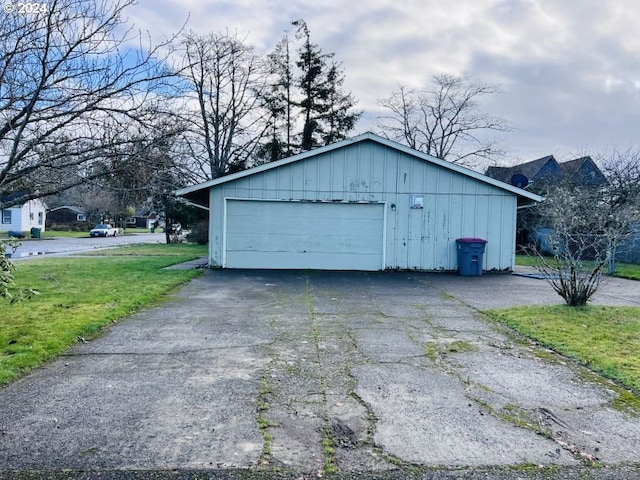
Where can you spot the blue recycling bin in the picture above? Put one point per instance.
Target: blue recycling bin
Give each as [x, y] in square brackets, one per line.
[470, 256]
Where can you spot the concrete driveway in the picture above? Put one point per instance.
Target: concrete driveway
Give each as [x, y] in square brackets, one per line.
[297, 374]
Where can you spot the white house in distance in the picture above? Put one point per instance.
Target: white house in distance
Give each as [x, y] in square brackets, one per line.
[23, 217]
[365, 203]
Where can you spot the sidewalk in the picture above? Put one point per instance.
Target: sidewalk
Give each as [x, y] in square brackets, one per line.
[498, 290]
[201, 262]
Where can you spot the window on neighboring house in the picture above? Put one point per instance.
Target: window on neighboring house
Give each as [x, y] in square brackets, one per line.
[81, 217]
[31, 216]
[40, 218]
[6, 216]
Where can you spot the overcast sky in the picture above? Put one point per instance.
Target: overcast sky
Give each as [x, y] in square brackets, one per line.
[569, 70]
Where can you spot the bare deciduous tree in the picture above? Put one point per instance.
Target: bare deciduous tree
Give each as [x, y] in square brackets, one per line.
[226, 79]
[443, 119]
[622, 169]
[581, 237]
[73, 79]
[587, 225]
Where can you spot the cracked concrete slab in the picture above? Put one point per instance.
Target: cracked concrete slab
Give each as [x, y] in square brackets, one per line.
[424, 417]
[315, 372]
[576, 412]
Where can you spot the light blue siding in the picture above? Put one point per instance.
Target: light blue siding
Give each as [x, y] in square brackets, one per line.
[455, 205]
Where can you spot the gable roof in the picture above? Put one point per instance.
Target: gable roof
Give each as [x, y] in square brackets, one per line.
[535, 170]
[69, 207]
[528, 169]
[199, 193]
[572, 166]
[585, 171]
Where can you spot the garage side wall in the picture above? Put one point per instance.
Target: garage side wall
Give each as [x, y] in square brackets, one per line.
[453, 205]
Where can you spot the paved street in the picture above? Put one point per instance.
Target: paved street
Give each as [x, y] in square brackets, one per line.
[267, 370]
[30, 248]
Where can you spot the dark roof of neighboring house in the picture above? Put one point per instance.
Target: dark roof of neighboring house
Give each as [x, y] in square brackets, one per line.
[534, 169]
[585, 171]
[529, 169]
[67, 207]
[572, 166]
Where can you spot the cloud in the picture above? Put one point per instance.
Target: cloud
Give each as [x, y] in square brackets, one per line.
[569, 70]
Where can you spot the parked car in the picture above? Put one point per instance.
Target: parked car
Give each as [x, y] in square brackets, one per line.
[103, 230]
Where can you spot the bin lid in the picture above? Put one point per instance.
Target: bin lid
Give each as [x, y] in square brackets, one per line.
[471, 240]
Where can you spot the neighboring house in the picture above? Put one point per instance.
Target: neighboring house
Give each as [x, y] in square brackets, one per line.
[142, 220]
[23, 216]
[364, 203]
[150, 220]
[538, 173]
[583, 171]
[66, 214]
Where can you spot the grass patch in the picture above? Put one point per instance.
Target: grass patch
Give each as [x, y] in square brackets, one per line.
[433, 351]
[623, 270]
[627, 402]
[527, 260]
[63, 234]
[328, 448]
[627, 270]
[78, 297]
[153, 249]
[519, 417]
[605, 339]
[460, 346]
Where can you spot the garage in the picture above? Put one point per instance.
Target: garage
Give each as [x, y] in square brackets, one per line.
[364, 203]
[304, 235]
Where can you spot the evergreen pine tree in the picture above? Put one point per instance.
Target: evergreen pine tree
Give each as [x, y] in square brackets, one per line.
[277, 100]
[308, 93]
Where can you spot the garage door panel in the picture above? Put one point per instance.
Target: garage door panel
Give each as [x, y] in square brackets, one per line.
[315, 261]
[301, 243]
[305, 244]
[262, 234]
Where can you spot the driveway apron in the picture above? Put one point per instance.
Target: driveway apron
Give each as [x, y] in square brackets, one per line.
[317, 372]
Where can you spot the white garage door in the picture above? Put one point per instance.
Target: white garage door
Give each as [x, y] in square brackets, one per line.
[300, 235]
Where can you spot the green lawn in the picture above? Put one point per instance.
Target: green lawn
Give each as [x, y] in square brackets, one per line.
[623, 270]
[80, 296]
[153, 249]
[628, 270]
[605, 339]
[63, 233]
